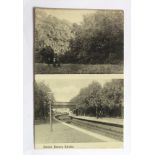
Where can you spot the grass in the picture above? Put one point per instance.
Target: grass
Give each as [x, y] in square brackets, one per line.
[41, 68]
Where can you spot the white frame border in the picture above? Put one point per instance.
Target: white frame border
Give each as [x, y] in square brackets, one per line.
[28, 71]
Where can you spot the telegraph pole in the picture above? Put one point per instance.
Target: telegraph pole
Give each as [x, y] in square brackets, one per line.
[51, 114]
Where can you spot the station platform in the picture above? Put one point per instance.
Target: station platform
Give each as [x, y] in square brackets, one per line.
[118, 121]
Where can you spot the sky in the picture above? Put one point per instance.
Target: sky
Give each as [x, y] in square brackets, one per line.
[73, 16]
[66, 87]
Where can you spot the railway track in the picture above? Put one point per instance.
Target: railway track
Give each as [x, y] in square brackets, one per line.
[114, 131]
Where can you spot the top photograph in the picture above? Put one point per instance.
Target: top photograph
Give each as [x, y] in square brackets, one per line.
[73, 41]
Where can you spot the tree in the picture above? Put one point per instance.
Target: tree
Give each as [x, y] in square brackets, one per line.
[112, 97]
[47, 55]
[99, 101]
[41, 100]
[88, 99]
[99, 39]
[51, 31]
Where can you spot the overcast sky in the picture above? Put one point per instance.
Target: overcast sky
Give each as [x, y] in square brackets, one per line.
[65, 87]
[74, 16]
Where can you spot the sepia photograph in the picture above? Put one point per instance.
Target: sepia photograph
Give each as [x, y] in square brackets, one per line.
[78, 111]
[74, 41]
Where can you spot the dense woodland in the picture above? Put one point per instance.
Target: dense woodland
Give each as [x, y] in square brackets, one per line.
[42, 98]
[98, 101]
[98, 39]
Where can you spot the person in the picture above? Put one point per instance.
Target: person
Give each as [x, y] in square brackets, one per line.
[54, 61]
[58, 61]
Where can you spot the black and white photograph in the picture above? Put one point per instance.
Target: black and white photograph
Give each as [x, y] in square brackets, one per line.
[74, 41]
[78, 111]
[78, 78]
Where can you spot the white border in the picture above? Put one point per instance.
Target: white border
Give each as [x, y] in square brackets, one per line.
[28, 70]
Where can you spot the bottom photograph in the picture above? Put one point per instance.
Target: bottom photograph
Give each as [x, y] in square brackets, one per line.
[78, 111]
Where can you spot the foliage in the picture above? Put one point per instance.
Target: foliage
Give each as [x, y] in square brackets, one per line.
[42, 98]
[112, 97]
[99, 101]
[46, 55]
[98, 39]
[53, 32]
